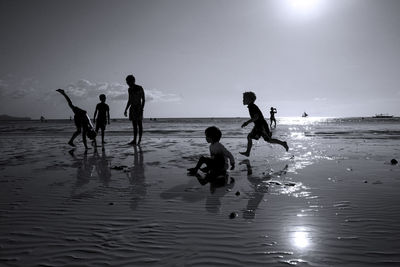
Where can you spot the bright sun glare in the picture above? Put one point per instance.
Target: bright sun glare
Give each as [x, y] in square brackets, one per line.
[304, 7]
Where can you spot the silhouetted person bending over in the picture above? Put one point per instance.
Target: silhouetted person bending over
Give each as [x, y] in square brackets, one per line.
[260, 128]
[103, 115]
[272, 116]
[135, 104]
[82, 122]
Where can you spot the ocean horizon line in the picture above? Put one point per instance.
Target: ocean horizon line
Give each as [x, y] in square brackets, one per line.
[14, 118]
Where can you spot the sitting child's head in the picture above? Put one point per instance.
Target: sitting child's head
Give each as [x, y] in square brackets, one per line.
[213, 134]
[130, 80]
[249, 97]
[102, 98]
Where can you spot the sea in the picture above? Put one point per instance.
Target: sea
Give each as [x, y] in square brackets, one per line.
[313, 127]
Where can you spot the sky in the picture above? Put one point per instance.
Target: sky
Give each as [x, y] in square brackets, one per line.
[330, 58]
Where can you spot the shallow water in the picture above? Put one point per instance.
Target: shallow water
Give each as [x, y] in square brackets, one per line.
[332, 200]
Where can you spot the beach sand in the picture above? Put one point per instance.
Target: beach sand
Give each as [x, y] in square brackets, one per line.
[326, 202]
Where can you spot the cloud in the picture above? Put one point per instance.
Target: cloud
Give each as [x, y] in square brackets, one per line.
[115, 91]
[85, 89]
[320, 99]
[158, 96]
[11, 87]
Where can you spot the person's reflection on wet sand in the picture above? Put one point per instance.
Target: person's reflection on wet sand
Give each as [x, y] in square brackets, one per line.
[103, 166]
[137, 178]
[219, 186]
[84, 169]
[260, 188]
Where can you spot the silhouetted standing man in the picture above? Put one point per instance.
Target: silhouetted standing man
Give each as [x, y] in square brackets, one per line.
[272, 117]
[135, 104]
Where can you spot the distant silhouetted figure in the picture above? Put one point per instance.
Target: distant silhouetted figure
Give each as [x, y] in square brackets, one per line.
[82, 122]
[103, 116]
[272, 116]
[217, 164]
[135, 104]
[260, 128]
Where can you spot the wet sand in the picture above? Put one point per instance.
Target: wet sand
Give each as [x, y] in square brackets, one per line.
[327, 202]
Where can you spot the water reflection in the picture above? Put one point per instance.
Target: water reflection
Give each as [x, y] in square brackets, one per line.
[190, 192]
[103, 167]
[88, 166]
[260, 186]
[218, 188]
[84, 169]
[137, 178]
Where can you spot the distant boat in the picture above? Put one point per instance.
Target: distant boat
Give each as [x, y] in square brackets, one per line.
[382, 116]
[304, 115]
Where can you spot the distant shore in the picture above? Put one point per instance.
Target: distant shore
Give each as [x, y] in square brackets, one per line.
[12, 118]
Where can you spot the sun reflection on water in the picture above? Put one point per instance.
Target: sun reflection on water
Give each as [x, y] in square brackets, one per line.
[301, 238]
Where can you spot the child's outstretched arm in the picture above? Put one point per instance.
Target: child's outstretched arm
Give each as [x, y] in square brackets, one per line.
[108, 115]
[61, 91]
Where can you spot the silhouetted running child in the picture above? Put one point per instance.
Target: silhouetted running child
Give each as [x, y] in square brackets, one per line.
[260, 128]
[82, 123]
[217, 164]
[135, 104]
[103, 112]
[272, 117]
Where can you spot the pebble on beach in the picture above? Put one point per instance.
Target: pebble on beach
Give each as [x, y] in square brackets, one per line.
[394, 161]
[233, 215]
[237, 193]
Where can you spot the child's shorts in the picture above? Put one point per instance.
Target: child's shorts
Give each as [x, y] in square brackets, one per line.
[260, 131]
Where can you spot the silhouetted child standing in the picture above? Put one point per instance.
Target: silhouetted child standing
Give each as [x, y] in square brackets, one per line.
[103, 115]
[135, 104]
[217, 164]
[272, 117]
[260, 128]
[82, 122]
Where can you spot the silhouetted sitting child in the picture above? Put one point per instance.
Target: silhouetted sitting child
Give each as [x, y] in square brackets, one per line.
[82, 122]
[217, 164]
[260, 128]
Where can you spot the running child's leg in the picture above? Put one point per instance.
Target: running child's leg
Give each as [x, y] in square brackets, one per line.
[249, 145]
[279, 142]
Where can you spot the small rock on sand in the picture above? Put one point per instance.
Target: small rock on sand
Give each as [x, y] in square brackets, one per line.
[394, 161]
[233, 215]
